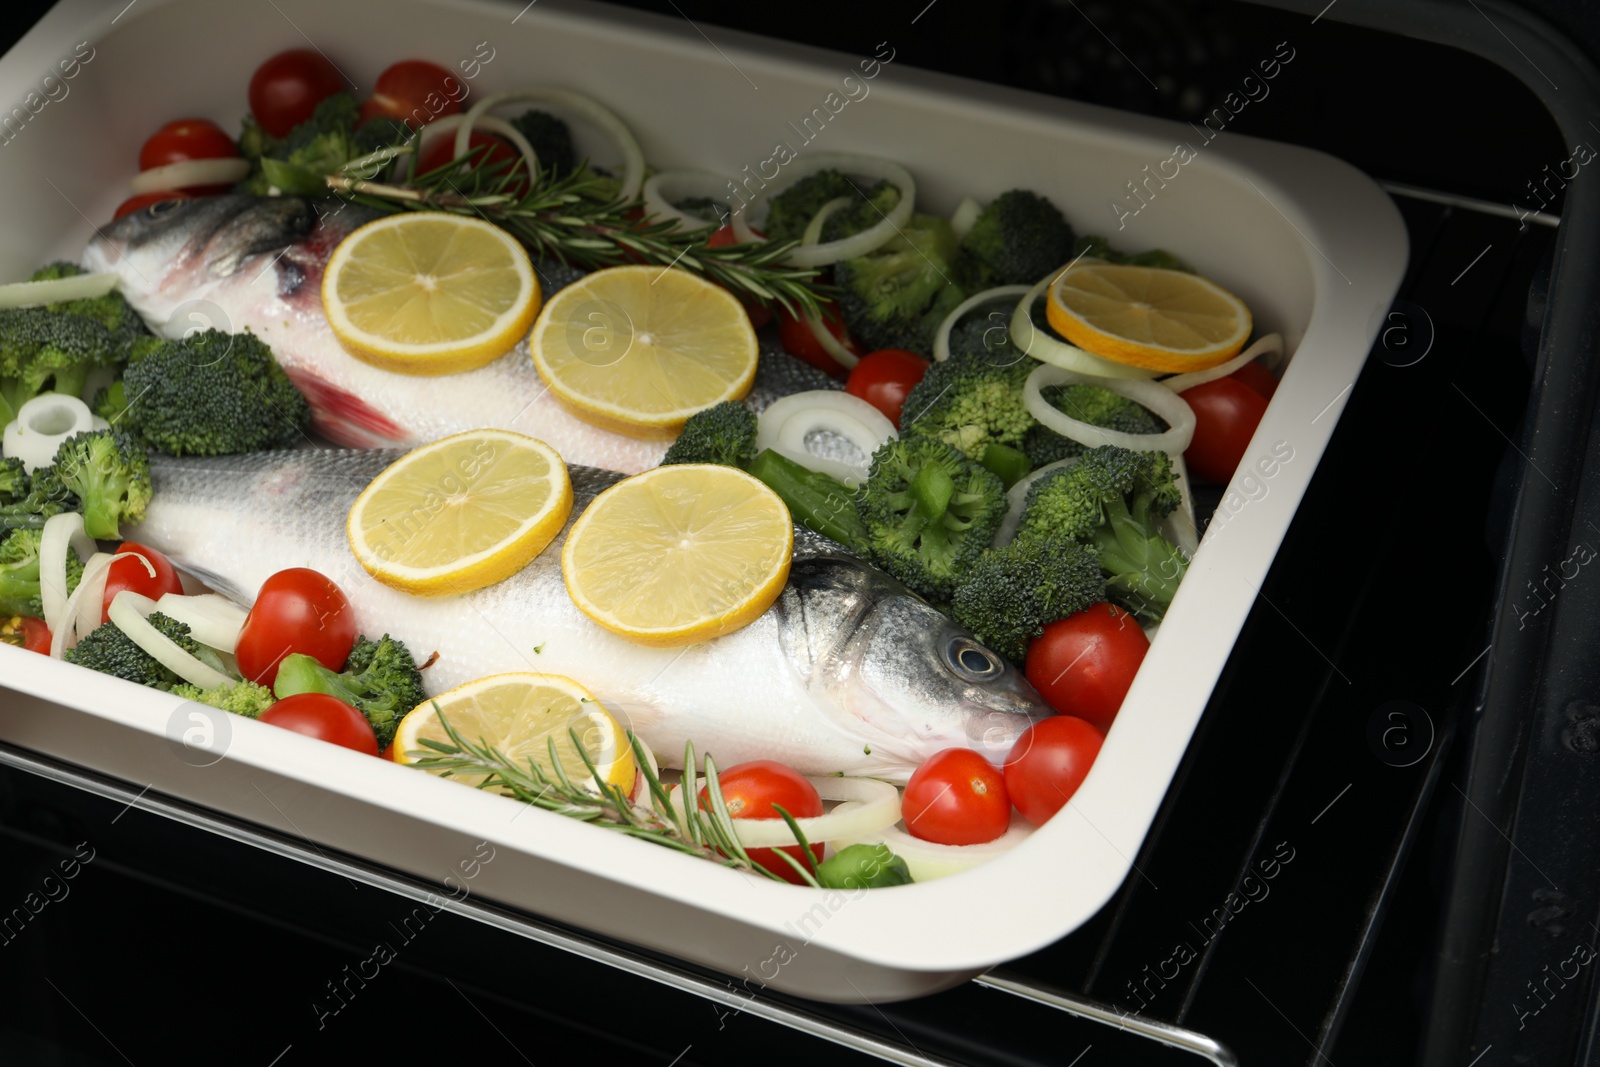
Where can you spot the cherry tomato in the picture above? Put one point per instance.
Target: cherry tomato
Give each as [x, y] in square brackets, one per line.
[1256, 375]
[25, 631]
[1048, 763]
[326, 718]
[1226, 414]
[799, 341]
[750, 791]
[759, 314]
[131, 574]
[185, 139]
[297, 610]
[415, 91]
[956, 798]
[1083, 664]
[144, 200]
[442, 149]
[883, 379]
[287, 88]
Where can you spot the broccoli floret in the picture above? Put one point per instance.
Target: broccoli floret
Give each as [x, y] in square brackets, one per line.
[42, 352]
[299, 163]
[110, 310]
[1017, 239]
[47, 495]
[214, 394]
[241, 698]
[1013, 592]
[896, 296]
[1087, 403]
[254, 142]
[13, 481]
[724, 433]
[551, 140]
[380, 679]
[19, 573]
[1113, 499]
[110, 651]
[868, 207]
[110, 402]
[929, 512]
[791, 211]
[109, 472]
[970, 401]
[1091, 247]
[380, 131]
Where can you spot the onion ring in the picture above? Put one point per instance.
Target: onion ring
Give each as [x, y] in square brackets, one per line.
[60, 532]
[129, 613]
[190, 173]
[213, 620]
[927, 861]
[585, 107]
[660, 190]
[858, 244]
[1047, 348]
[867, 807]
[497, 126]
[941, 336]
[1162, 401]
[785, 424]
[1269, 346]
[57, 290]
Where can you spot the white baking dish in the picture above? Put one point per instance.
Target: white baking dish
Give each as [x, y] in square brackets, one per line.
[1313, 246]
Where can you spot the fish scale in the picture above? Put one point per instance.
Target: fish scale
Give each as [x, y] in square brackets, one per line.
[848, 672]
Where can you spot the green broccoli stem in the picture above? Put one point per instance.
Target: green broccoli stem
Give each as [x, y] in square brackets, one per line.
[299, 673]
[931, 491]
[1139, 563]
[815, 500]
[1011, 465]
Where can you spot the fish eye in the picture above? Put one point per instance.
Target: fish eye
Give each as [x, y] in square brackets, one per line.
[971, 661]
[163, 207]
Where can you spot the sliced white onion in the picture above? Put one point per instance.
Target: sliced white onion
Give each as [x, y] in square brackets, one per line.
[40, 427]
[941, 337]
[867, 806]
[530, 158]
[859, 244]
[190, 173]
[927, 861]
[60, 532]
[57, 290]
[819, 329]
[1269, 346]
[1017, 499]
[1046, 348]
[660, 190]
[87, 599]
[784, 426]
[967, 213]
[130, 611]
[212, 619]
[585, 107]
[1179, 527]
[1164, 402]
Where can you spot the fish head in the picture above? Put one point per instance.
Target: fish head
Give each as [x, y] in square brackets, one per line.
[173, 253]
[888, 667]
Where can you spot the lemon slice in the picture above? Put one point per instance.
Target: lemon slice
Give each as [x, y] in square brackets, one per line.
[519, 714]
[640, 349]
[1161, 320]
[461, 513]
[429, 293]
[679, 554]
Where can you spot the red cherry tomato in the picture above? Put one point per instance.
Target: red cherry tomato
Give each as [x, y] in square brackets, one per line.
[297, 610]
[1048, 763]
[750, 791]
[799, 341]
[759, 314]
[325, 718]
[442, 149]
[1256, 375]
[144, 200]
[883, 379]
[287, 88]
[131, 574]
[25, 631]
[1083, 664]
[956, 798]
[416, 92]
[1226, 414]
[184, 139]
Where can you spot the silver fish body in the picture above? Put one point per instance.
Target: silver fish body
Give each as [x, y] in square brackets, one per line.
[243, 262]
[848, 672]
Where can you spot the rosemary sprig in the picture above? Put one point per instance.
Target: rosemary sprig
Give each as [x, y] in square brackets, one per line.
[578, 219]
[691, 829]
